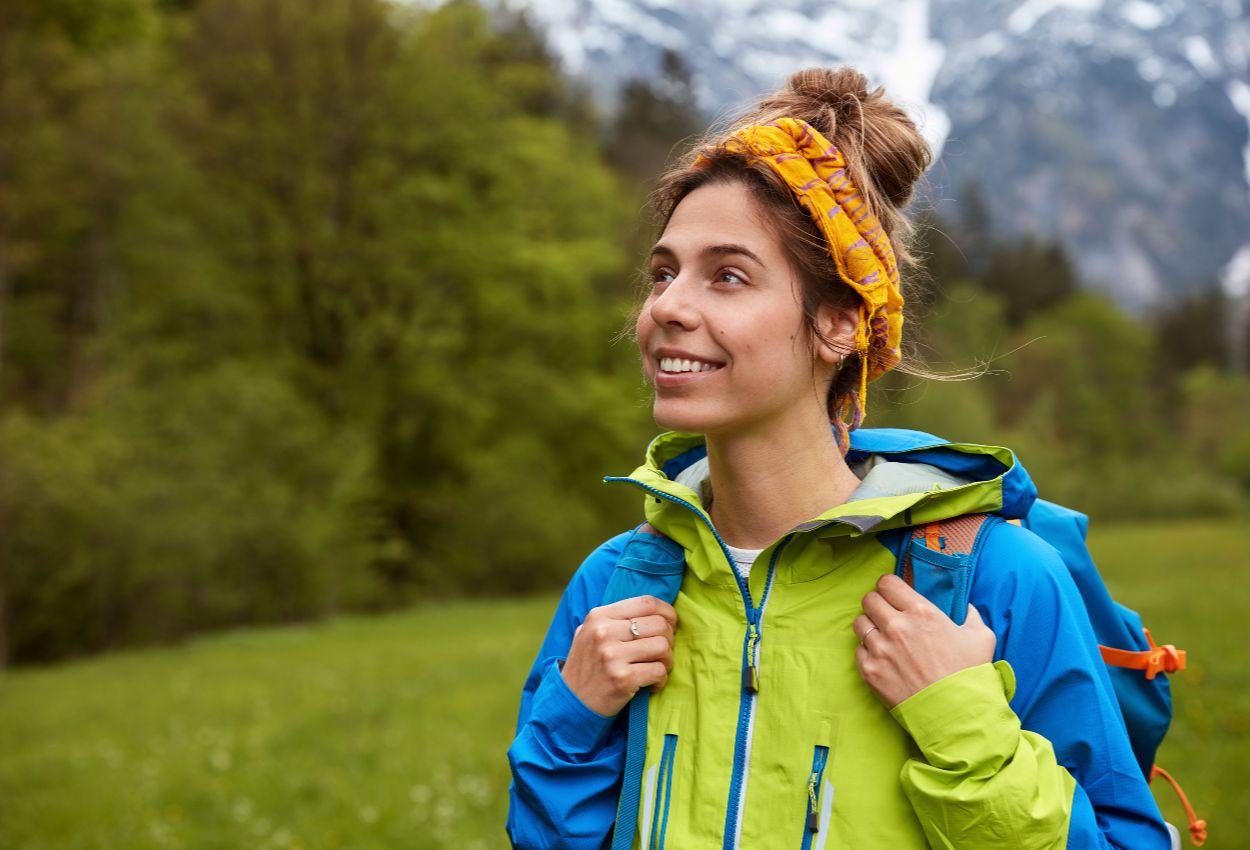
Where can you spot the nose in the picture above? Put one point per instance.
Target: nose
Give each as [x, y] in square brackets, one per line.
[674, 305]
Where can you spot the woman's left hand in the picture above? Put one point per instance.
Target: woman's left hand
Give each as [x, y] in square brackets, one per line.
[906, 643]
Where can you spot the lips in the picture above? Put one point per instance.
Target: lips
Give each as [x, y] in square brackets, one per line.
[675, 368]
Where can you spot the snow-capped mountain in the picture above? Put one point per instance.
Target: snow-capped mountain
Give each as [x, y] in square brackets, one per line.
[1121, 126]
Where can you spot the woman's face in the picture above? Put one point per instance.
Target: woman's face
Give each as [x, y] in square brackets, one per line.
[722, 333]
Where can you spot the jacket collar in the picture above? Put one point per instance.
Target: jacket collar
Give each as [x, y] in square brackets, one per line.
[993, 482]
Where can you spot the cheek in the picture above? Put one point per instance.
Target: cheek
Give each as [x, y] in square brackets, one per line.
[643, 327]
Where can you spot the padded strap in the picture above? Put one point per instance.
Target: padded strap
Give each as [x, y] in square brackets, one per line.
[650, 564]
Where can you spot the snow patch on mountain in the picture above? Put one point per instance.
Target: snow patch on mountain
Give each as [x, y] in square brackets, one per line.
[910, 81]
[1146, 16]
[1030, 12]
[1239, 94]
[1236, 278]
[1200, 55]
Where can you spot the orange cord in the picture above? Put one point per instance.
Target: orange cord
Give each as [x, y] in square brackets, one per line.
[1197, 827]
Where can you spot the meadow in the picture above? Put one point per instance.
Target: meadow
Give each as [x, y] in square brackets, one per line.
[390, 731]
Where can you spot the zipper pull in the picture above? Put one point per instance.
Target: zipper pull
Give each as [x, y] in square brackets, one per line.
[813, 809]
[751, 674]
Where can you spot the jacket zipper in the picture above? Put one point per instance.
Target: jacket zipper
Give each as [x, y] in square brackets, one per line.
[819, 757]
[750, 664]
[746, 710]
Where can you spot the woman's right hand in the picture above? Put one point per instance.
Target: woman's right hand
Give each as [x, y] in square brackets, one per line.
[607, 664]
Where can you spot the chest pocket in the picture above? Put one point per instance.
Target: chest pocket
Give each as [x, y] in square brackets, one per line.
[818, 803]
[658, 788]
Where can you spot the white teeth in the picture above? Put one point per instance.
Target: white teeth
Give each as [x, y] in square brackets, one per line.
[678, 364]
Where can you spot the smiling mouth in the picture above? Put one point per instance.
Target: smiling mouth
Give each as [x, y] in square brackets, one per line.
[677, 365]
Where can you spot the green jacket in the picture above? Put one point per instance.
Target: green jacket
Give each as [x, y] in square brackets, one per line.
[814, 746]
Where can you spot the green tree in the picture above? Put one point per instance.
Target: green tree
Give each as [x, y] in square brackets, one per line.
[88, 208]
[1032, 275]
[1088, 369]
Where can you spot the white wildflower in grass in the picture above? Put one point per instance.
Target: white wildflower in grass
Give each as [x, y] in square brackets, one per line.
[161, 833]
[242, 809]
[474, 788]
[220, 759]
[445, 809]
[369, 814]
[420, 794]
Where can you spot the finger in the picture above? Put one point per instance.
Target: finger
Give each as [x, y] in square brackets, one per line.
[646, 650]
[881, 613]
[654, 675]
[897, 592]
[861, 658]
[862, 626]
[653, 626]
[640, 606]
[974, 617]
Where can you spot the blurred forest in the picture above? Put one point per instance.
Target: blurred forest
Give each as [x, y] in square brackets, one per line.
[309, 306]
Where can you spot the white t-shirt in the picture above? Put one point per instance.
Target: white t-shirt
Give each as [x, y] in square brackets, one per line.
[743, 559]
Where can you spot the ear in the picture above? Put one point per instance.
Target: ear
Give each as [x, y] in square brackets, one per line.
[837, 333]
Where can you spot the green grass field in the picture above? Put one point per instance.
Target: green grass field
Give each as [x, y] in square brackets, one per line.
[390, 732]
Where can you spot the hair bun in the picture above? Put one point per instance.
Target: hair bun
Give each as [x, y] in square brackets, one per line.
[880, 140]
[840, 88]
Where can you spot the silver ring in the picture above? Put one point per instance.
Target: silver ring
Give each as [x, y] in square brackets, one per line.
[633, 628]
[866, 634]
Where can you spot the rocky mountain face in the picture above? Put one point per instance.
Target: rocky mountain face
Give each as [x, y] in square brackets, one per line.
[1120, 126]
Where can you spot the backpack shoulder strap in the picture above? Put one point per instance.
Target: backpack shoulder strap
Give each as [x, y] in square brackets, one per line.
[651, 564]
[940, 558]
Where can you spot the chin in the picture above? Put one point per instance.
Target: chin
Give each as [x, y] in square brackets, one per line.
[672, 415]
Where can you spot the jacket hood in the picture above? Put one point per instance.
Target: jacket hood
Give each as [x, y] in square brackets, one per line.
[908, 478]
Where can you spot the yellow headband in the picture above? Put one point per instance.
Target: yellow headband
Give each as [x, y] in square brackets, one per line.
[817, 174]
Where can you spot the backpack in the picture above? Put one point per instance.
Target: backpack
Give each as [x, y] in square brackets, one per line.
[1134, 662]
[653, 564]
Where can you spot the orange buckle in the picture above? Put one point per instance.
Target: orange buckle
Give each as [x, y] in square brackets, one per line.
[1166, 658]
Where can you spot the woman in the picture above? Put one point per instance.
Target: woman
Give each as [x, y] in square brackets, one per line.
[804, 696]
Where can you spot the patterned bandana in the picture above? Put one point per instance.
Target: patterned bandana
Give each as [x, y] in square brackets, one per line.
[816, 172]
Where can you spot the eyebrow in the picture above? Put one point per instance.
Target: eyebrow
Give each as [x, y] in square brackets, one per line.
[712, 251]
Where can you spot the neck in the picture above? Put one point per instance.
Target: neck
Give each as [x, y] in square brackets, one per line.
[765, 482]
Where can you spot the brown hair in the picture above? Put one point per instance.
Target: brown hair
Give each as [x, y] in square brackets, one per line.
[886, 156]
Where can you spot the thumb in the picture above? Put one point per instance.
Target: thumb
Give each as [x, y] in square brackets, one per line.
[974, 617]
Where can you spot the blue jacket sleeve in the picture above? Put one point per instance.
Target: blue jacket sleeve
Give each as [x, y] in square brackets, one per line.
[1026, 595]
[566, 760]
